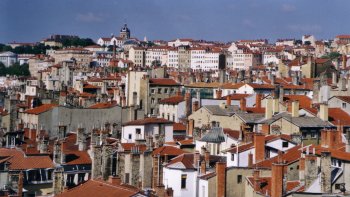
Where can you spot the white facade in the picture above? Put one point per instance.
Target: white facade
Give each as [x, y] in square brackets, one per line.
[131, 133]
[8, 58]
[179, 42]
[156, 54]
[172, 112]
[172, 178]
[173, 58]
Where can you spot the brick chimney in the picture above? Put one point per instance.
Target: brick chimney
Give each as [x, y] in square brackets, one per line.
[323, 113]
[196, 159]
[250, 160]
[188, 103]
[310, 169]
[20, 184]
[207, 158]
[243, 104]
[228, 100]
[114, 180]
[259, 145]
[295, 109]
[256, 177]
[268, 108]
[344, 61]
[190, 127]
[258, 100]
[203, 167]
[277, 173]
[218, 94]
[326, 170]
[220, 179]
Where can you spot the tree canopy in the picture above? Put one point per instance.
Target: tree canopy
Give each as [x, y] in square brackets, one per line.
[15, 69]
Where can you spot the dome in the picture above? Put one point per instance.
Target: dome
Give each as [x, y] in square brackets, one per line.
[125, 28]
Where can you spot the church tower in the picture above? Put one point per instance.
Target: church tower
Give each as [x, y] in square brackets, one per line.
[125, 32]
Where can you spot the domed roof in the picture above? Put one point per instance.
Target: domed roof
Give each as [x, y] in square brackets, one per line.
[125, 28]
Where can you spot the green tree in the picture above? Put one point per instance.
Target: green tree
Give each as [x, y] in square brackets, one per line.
[15, 69]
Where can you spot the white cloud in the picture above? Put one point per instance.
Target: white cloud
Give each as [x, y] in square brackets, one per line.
[305, 28]
[288, 8]
[88, 17]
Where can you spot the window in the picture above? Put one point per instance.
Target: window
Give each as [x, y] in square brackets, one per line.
[284, 144]
[166, 90]
[239, 178]
[130, 136]
[138, 131]
[232, 157]
[127, 178]
[159, 90]
[343, 105]
[313, 134]
[153, 91]
[152, 100]
[183, 181]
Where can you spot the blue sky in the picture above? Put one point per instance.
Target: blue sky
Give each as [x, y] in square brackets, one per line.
[218, 20]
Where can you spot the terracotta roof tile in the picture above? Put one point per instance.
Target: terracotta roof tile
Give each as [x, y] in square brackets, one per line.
[172, 100]
[168, 150]
[148, 121]
[163, 82]
[41, 109]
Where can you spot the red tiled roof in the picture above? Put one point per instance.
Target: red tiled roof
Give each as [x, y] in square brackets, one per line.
[19, 161]
[236, 96]
[344, 98]
[179, 127]
[338, 116]
[148, 121]
[232, 133]
[102, 105]
[130, 146]
[168, 150]
[163, 82]
[172, 100]
[97, 188]
[41, 109]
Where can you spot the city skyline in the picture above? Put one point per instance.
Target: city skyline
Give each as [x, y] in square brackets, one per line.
[214, 20]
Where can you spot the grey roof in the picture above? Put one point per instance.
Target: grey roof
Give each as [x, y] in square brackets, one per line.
[250, 117]
[215, 135]
[301, 121]
[220, 111]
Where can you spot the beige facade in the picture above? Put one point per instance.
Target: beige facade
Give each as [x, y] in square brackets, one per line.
[203, 117]
[136, 55]
[82, 57]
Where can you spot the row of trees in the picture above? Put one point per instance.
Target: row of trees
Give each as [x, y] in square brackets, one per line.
[15, 69]
[40, 48]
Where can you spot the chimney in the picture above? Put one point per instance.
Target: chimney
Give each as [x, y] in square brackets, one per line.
[259, 145]
[268, 108]
[114, 180]
[190, 127]
[334, 78]
[295, 109]
[347, 146]
[203, 167]
[96, 162]
[344, 61]
[302, 168]
[195, 106]
[258, 99]
[188, 103]
[20, 184]
[281, 94]
[277, 179]
[134, 99]
[326, 170]
[228, 100]
[273, 79]
[107, 151]
[57, 152]
[323, 113]
[243, 104]
[196, 159]
[250, 160]
[256, 177]
[310, 169]
[199, 99]
[207, 158]
[315, 90]
[218, 94]
[220, 179]
[43, 145]
[275, 107]
[343, 84]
